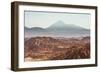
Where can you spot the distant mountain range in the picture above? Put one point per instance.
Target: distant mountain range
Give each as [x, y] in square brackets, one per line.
[58, 29]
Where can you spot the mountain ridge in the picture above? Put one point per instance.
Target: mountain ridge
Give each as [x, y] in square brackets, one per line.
[59, 29]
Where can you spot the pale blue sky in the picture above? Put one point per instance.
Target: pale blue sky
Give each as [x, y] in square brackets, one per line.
[46, 19]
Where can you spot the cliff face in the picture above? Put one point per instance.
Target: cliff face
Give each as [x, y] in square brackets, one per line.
[48, 48]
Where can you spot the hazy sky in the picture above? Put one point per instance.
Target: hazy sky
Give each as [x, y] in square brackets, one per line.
[46, 19]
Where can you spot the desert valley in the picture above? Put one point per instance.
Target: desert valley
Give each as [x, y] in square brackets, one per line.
[60, 41]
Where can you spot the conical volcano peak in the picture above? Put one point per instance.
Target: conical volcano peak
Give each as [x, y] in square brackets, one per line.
[62, 24]
[58, 24]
